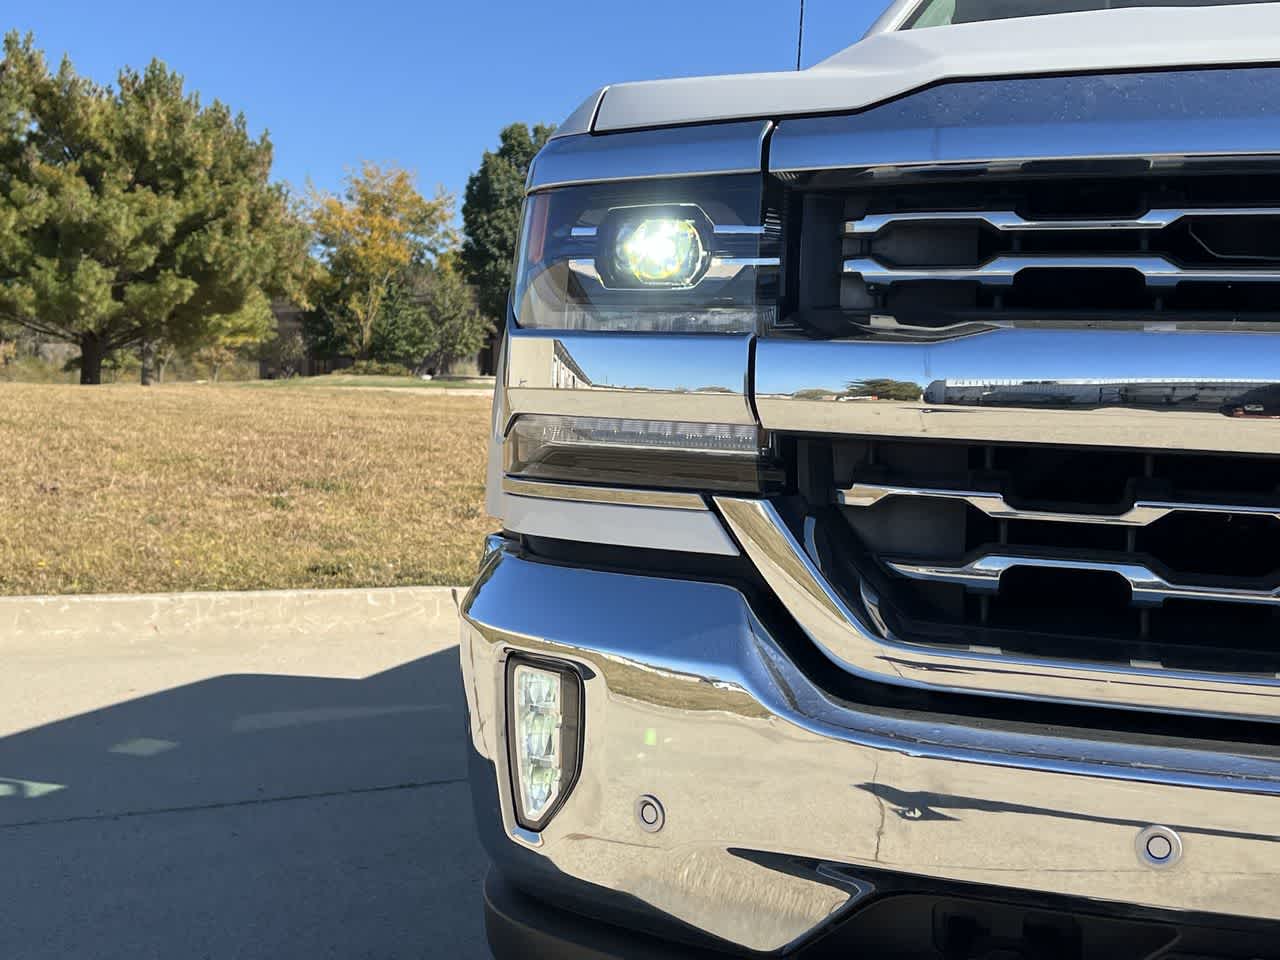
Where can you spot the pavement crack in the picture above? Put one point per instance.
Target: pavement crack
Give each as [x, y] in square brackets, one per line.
[231, 804]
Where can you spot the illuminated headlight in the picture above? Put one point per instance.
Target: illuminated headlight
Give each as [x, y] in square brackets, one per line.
[544, 735]
[661, 256]
[662, 252]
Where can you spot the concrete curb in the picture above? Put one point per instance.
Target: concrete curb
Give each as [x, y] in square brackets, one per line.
[212, 619]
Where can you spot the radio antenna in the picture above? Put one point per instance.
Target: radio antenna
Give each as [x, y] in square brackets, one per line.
[800, 39]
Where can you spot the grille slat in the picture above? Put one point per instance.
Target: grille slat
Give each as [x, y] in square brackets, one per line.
[1009, 221]
[1149, 588]
[1004, 271]
[994, 505]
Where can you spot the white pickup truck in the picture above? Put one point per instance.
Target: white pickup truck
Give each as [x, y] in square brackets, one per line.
[888, 461]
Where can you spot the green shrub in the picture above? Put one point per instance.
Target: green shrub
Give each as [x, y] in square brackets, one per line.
[372, 368]
[35, 370]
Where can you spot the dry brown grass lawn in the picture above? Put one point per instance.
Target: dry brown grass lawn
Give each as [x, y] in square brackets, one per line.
[196, 487]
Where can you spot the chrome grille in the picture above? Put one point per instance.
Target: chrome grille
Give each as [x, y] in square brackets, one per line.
[1148, 248]
[1171, 560]
[1026, 359]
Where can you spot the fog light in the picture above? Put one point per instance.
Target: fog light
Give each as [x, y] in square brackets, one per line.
[544, 734]
[663, 251]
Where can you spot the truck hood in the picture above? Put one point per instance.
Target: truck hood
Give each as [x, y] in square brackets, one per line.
[888, 65]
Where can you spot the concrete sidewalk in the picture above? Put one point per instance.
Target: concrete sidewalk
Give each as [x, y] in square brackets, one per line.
[237, 775]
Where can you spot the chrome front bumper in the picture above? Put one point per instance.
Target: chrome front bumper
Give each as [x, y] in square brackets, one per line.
[782, 801]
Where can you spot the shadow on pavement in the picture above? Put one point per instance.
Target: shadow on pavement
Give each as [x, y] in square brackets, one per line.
[246, 816]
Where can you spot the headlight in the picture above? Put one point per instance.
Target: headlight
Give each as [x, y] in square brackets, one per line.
[544, 734]
[660, 252]
[669, 256]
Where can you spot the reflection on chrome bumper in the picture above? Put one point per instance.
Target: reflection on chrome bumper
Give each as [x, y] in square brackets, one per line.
[689, 700]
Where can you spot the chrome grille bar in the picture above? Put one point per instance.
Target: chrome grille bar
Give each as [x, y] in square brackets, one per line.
[1003, 270]
[1009, 222]
[983, 575]
[1141, 514]
[856, 645]
[1153, 389]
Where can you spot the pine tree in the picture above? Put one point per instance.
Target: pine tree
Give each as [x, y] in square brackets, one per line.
[135, 214]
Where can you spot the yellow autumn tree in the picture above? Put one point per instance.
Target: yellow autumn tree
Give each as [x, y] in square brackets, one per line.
[378, 227]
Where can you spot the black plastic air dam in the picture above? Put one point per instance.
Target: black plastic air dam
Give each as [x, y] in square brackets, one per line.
[521, 928]
[903, 925]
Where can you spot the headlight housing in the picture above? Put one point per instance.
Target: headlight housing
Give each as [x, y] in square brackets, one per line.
[692, 255]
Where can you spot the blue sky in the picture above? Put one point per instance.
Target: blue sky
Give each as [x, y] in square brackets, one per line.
[425, 85]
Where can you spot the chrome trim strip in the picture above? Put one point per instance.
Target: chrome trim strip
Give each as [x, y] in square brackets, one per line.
[1161, 390]
[1003, 270]
[1027, 806]
[1008, 221]
[749, 261]
[720, 268]
[851, 644]
[499, 415]
[726, 267]
[683, 377]
[1142, 514]
[737, 230]
[670, 499]
[1138, 117]
[722, 148]
[983, 574]
[719, 229]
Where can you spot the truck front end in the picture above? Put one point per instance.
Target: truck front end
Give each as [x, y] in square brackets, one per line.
[890, 514]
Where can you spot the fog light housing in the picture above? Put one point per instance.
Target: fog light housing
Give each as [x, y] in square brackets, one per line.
[544, 737]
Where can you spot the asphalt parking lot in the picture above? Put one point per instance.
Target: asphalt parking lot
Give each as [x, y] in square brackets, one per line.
[258, 798]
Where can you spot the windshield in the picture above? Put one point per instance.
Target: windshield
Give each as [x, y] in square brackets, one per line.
[938, 13]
